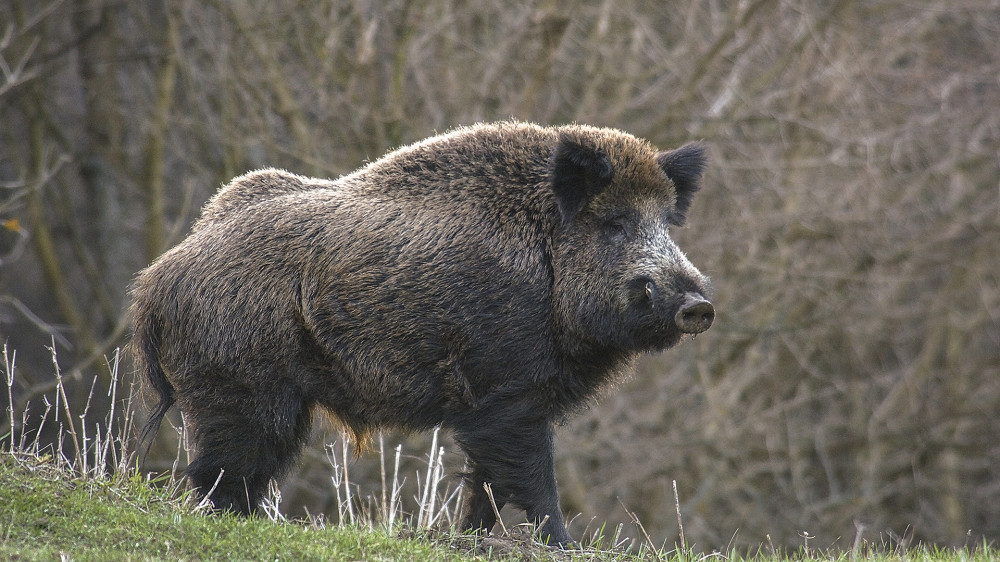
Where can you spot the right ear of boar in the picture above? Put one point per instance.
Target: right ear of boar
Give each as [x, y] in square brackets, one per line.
[578, 172]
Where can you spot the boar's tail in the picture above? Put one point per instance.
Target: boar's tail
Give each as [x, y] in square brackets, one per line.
[145, 346]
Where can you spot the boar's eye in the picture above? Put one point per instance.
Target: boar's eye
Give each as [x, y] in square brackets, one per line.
[617, 229]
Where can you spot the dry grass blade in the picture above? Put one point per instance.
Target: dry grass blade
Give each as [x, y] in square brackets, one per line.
[205, 504]
[8, 366]
[680, 523]
[653, 550]
[496, 512]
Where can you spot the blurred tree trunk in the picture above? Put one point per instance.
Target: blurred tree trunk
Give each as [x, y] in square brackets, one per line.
[102, 156]
[164, 27]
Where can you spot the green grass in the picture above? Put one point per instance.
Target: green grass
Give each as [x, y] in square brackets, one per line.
[48, 512]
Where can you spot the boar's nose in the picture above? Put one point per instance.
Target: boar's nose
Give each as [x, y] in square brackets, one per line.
[695, 315]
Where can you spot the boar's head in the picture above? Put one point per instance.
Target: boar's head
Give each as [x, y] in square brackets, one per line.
[621, 283]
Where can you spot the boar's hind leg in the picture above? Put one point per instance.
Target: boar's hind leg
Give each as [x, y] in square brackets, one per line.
[251, 439]
[515, 459]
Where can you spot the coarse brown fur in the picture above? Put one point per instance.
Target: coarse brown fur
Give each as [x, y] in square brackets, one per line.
[491, 280]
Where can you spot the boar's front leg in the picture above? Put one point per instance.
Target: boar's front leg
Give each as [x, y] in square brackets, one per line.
[514, 457]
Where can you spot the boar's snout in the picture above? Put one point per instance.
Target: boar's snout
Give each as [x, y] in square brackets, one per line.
[695, 315]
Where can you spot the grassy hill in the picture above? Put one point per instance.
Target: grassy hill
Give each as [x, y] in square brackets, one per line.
[49, 512]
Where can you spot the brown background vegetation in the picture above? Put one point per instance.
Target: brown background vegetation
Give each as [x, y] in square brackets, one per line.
[850, 219]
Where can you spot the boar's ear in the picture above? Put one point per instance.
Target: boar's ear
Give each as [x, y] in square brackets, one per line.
[578, 172]
[684, 167]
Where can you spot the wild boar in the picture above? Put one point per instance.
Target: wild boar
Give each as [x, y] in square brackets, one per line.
[490, 280]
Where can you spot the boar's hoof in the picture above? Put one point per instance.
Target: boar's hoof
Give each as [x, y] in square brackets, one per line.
[695, 314]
